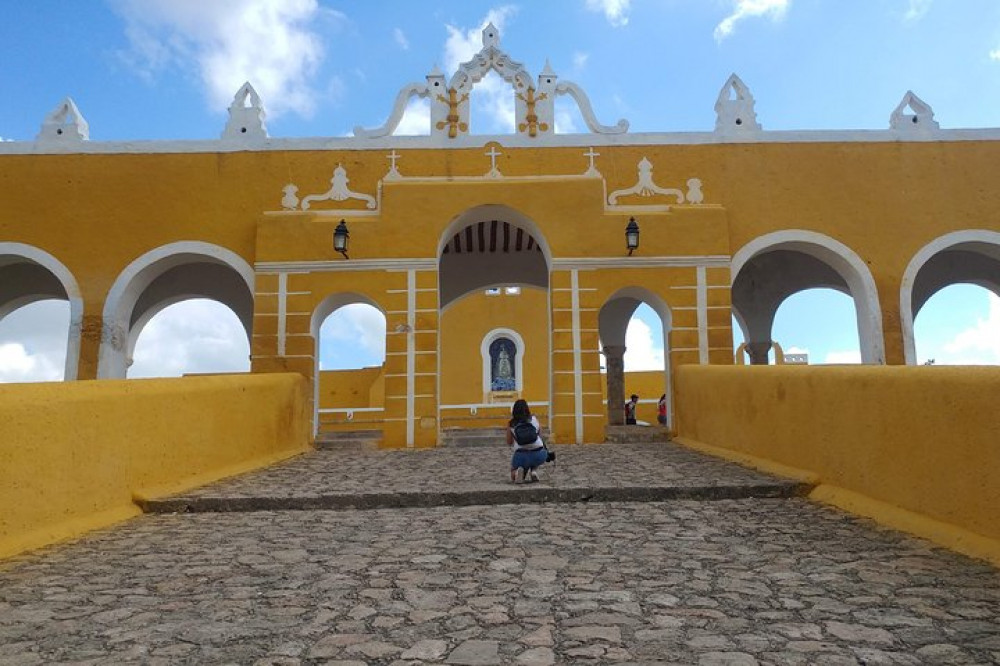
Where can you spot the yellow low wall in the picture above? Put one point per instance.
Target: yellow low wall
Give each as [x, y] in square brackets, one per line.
[74, 455]
[916, 448]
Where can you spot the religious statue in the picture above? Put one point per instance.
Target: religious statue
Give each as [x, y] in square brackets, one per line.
[502, 378]
[504, 369]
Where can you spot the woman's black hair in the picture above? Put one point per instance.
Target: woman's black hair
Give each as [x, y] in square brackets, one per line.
[519, 412]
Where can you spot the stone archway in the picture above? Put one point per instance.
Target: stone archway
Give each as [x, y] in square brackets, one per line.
[771, 268]
[165, 276]
[971, 256]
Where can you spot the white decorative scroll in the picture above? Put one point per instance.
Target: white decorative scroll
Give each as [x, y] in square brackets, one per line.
[64, 123]
[734, 109]
[582, 101]
[645, 187]
[921, 118]
[421, 90]
[246, 115]
[338, 191]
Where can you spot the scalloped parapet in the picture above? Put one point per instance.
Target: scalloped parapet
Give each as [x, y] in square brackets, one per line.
[534, 101]
[246, 116]
[920, 118]
[734, 109]
[64, 123]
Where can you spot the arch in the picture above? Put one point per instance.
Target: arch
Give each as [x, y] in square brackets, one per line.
[324, 309]
[164, 276]
[70, 291]
[493, 230]
[484, 351]
[982, 243]
[831, 264]
[613, 320]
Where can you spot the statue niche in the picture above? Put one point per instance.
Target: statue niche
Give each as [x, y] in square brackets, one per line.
[502, 366]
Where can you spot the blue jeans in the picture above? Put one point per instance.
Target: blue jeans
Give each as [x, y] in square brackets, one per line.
[528, 459]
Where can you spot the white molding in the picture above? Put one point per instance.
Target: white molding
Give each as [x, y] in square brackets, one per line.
[584, 263]
[484, 352]
[267, 267]
[702, 299]
[116, 333]
[72, 289]
[574, 279]
[411, 358]
[846, 263]
[923, 255]
[282, 311]
[507, 140]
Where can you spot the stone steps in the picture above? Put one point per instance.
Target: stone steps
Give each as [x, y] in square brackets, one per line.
[349, 440]
[624, 434]
[466, 437]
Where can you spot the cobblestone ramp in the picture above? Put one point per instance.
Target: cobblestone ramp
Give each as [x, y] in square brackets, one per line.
[359, 479]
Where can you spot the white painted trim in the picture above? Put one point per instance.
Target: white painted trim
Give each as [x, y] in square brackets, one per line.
[337, 265]
[482, 405]
[282, 306]
[702, 316]
[585, 263]
[411, 358]
[337, 410]
[846, 263]
[923, 255]
[507, 140]
[484, 353]
[574, 278]
[72, 289]
[129, 286]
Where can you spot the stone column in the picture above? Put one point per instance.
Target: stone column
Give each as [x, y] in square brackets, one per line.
[614, 361]
[758, 352]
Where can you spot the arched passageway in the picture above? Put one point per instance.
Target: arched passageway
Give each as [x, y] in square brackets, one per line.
[163, 277]
[770, 269]
[963, 257]
[613, 323]
[29, 275]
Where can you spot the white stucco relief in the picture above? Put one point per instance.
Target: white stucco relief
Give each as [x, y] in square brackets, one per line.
[734, 109]
[246, 116]
[339, 191]
[534, 99]
[64, 123]
[645, 187]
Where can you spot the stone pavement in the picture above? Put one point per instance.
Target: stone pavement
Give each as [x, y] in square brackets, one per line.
[747, 581]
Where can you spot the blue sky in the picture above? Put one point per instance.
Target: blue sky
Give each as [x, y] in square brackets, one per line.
[167, 69]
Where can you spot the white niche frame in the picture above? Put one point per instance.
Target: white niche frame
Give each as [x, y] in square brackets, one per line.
[484, 350]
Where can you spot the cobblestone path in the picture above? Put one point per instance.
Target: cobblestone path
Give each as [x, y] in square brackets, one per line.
[725, 582]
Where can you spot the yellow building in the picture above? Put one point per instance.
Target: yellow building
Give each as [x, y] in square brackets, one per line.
[500, 263]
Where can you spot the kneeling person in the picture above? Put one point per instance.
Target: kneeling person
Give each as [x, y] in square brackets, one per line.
[524, 434]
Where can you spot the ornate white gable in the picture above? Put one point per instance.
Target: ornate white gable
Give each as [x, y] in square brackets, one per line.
[920, 118]
[734, 109]
[246, 115]
[534, 101]
[64, 123]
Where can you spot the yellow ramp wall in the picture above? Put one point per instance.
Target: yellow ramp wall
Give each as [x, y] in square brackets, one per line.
[73, 455]
[916, 448]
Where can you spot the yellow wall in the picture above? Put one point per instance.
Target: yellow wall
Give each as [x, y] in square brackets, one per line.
[913, 447]
[351, 388]
[466, 322]
[73, 455]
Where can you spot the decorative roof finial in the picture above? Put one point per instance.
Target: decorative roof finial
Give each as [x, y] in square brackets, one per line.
[491, 36]
[922, 118]
[246, 115]
[64, 123]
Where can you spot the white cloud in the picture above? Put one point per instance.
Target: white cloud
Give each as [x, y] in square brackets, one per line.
[616, 11]
[270, 43]
[640, 352]
[979, 345]
[564, 122]
[841, 357]
[416, 119]
[742, 9]
[401, 40]
[580, 60]
[356, 328]
[995, 54]
[193, 336]
[917, 9]
[492, 97]
[33, 342]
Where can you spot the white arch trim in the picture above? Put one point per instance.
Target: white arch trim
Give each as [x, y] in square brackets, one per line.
[69, 284]
[484, 351]
[489, 212]
[134, 279]
[843, 260]
[923, 255]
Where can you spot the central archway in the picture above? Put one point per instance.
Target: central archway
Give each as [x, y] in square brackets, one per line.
[493, 291]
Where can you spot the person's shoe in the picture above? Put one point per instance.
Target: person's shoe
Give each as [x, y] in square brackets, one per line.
[532, 476]
[519, 475]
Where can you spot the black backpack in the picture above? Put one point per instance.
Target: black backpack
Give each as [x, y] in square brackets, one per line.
[525, 433]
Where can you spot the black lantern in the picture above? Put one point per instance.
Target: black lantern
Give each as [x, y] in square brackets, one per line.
[340, 236]
[631, 236]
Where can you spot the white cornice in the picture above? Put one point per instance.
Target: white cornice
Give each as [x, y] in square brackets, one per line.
[585, 263]
[506, 140]
[430, 264]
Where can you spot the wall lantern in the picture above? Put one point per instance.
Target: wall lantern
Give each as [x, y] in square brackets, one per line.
[340, 236]
[631, 236]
